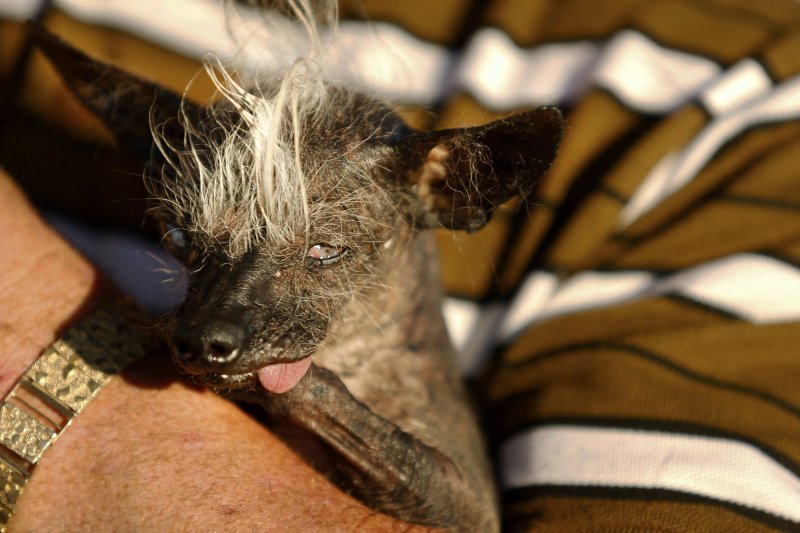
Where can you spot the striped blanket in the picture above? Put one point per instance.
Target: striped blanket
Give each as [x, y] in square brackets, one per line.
[641, 315]
[634, 329]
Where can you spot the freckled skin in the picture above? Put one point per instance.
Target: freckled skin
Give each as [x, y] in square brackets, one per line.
[383, 392]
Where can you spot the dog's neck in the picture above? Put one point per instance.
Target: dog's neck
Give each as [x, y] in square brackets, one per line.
[397, 322]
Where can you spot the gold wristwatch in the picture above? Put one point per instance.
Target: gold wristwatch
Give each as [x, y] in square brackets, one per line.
[56, 387]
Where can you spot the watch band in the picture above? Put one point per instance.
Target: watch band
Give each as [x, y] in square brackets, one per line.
[55, 388]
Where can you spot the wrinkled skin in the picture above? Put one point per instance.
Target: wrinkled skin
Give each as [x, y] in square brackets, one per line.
[382, 392]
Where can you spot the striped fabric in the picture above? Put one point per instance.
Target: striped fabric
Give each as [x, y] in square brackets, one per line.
[641, 315]
[635, 328]
[645, 344]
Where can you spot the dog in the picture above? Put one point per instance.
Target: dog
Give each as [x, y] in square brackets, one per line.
[302, 212]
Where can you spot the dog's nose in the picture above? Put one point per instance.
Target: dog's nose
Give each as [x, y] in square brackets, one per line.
[208, 347]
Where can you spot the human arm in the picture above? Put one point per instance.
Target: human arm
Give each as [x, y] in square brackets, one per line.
[149, 453]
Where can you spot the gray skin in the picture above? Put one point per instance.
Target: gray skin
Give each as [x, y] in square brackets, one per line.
[383, 392]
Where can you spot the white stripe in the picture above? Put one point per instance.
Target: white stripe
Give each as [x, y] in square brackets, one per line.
[472, 330]
[531, 300]
[756, 288]
[380, 57]
[655, 187]
[644, 75]
[782, 103]
[651, 78]
[460, 317]
[503, 76]
[19, 9]
[741, 84]
[541, 297]
[717, 468]
[190, 27]
[390, 62]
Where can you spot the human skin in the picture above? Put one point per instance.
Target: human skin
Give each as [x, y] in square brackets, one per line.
[149, 453]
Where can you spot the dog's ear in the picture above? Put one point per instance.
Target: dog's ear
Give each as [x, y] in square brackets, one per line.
[125, 103]
[460, 176]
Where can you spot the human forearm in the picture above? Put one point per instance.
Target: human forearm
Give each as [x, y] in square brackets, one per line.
[44, 284]
[155, 455]
[149, 453]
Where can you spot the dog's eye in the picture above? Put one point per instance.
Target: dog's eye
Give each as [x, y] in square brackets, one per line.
[325, 253]
[174, 237]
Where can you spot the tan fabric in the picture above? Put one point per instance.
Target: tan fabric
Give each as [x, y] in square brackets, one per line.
[583, 511]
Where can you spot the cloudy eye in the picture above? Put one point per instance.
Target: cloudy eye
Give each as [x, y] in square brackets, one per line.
[175, 238]
[325, 253]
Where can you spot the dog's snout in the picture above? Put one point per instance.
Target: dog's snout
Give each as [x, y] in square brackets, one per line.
[207, 347]
[222, 341]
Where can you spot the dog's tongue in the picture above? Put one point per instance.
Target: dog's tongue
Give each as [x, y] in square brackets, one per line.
[284, 376]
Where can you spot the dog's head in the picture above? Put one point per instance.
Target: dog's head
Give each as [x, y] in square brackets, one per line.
[287, 203]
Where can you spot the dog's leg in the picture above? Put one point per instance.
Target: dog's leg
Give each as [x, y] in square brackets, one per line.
[386, 467]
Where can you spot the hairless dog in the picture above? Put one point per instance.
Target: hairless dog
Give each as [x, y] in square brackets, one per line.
[301, 211]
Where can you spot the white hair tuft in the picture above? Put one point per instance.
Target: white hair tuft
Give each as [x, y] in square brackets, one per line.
[241, 176]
